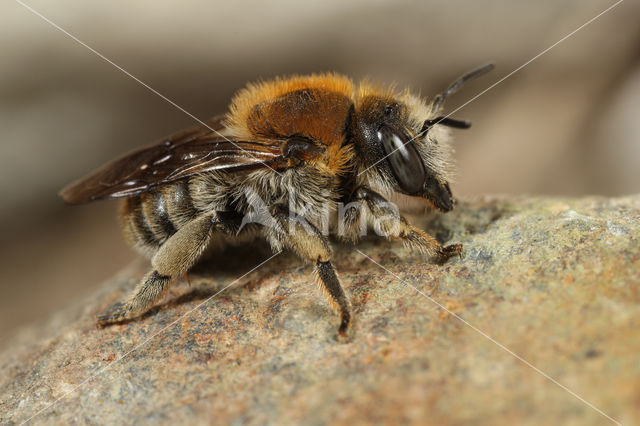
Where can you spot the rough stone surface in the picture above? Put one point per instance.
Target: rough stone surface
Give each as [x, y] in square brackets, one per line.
[556, 281]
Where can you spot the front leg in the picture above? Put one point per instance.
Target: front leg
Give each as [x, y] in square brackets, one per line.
[387, 221]
[308, 243]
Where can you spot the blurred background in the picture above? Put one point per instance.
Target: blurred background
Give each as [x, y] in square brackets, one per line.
[566, 124]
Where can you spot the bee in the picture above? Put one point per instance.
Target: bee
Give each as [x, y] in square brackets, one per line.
[304, 148]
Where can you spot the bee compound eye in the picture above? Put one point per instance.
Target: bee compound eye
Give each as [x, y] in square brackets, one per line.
[406, 165]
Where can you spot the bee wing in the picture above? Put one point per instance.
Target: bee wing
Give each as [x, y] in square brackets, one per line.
[187, 153]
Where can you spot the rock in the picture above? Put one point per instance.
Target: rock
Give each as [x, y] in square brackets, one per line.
[555, 281]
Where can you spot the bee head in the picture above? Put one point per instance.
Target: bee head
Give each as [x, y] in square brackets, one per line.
[403, 143]
[403, 149]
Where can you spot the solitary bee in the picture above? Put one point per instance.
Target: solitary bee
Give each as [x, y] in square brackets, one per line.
[301, 147]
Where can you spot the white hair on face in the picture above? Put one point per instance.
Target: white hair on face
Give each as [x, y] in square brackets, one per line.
[435, 148]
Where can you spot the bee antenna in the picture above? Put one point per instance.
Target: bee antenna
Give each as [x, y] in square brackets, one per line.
[450, 122]
[453, 87]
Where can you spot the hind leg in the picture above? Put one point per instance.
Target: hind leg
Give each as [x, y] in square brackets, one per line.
[172, 260]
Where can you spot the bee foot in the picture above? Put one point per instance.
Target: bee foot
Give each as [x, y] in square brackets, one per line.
[116, 313]
[342, 336]
[449, 251]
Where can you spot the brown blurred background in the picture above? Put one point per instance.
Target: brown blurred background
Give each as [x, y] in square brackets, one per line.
[567, 124]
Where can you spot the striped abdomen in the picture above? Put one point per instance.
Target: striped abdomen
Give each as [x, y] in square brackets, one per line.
[150, 219]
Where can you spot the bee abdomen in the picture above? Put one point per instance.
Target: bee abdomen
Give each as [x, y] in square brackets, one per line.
[179, 204]
[151, 219]
[137, 227]
[157, 217]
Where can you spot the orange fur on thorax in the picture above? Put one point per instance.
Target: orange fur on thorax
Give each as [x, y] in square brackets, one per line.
[316, 107]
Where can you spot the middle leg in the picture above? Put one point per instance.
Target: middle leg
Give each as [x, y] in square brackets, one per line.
[308, 242]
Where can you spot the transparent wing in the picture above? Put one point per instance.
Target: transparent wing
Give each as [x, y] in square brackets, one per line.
[179, 156]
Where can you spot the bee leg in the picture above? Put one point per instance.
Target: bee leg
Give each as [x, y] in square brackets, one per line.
[172, 260]
[309, 243]
[388, 221]
[334, 292]
[152, 287]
